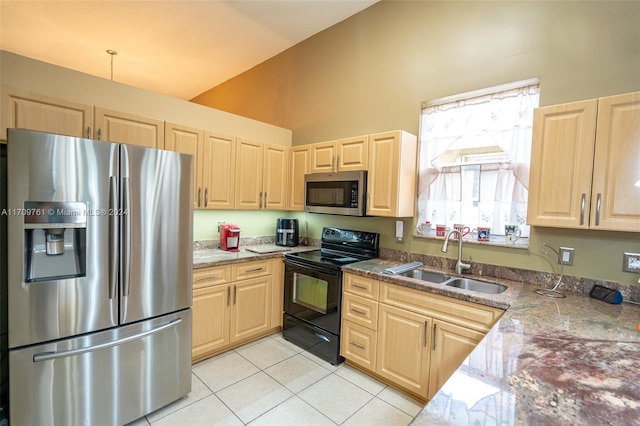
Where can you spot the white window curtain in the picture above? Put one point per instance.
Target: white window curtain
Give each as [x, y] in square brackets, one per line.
[502, 119]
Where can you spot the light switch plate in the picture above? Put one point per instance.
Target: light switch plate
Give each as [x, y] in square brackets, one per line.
[566, 256]
[631, 262]
[399, 231]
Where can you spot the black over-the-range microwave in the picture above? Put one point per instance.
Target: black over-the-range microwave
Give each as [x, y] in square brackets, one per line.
[342, 193]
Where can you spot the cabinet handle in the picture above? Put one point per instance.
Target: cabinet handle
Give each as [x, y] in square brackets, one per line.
[433, 338]
[199, 196]
[367, 207]
[210, 277]
[88, 132]
[598, 204]
[255, 269]
[357, 311]
[338, 164]
[99, 134]
[235, 293]
[582, 207]
[206, 196]
[265, 200]
[361, 287]
[260, 205]
[228, 295]
[357, 345]
[426, 327]
[333, 158]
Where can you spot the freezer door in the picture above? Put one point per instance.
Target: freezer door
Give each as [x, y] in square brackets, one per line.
[107, 378]
[46, 173]
[156, 232]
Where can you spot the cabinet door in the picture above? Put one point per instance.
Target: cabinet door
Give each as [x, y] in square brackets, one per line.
[218, 171]
[249, 162]
[186, 140]
[274, 181]
[251, 308]
[403, 348]
[23, 110]
[451, 344]
[352, 154]
[299, 167]
[358, 345]
[615, 199]
[277, 293]
[210, 320]
[561, 165]
[323, 157]
[117, 126]
[392, 174]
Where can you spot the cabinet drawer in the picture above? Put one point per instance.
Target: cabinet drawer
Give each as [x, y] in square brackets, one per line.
[460, 312]
[360, 310]
[358, 345]
[259, 268]
[211, 276]
[361, 286]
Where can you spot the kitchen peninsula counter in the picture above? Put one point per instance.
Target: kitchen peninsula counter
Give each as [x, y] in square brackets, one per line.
[204, 258]
[572, 360]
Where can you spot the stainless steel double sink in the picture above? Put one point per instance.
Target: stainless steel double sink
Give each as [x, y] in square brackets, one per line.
[457, 282]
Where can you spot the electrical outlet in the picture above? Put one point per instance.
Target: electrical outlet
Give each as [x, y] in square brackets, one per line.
[631, 262]
[566, 256]
[220, 223]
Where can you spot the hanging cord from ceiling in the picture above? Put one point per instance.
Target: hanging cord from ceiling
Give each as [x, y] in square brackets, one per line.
[112, 53]
[552, 292]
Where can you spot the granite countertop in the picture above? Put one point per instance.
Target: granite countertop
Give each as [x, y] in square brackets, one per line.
[573, 360]
[204, 258]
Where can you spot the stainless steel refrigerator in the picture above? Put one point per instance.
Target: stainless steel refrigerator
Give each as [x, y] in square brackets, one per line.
[99, 279]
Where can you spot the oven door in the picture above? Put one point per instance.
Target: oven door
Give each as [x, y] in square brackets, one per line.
[313, 294]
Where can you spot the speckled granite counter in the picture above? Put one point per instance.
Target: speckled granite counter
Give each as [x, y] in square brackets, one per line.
[211, 257]
[547, 361]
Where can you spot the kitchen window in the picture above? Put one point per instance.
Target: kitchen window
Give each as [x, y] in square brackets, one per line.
[475, 151]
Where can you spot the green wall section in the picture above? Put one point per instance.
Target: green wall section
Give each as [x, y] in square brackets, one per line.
[253, 223]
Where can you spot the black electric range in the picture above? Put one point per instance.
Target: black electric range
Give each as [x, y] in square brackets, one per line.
[313, 289]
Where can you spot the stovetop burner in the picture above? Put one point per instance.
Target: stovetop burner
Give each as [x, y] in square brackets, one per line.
[341, 247]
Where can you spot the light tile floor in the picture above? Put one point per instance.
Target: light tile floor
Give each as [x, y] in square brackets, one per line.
[273, 382]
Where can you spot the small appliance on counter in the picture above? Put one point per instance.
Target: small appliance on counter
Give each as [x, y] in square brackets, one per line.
[229, 237]
[287, 232]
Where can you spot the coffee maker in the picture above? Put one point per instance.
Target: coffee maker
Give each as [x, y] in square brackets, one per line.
[229, 237]
[287, 232]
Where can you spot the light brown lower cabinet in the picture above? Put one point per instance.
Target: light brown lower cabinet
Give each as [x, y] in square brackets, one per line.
[232, 305]
[450, 345]
[403, 348]
[411, 339]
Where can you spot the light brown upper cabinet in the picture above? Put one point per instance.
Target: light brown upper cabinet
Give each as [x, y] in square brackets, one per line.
[117, 126]
[585, 165]
[214, 164]
[186, 140]
[261, 175]
[299, 168]
[342, 155]
[24, 110]
[218, 171]
[391, 180]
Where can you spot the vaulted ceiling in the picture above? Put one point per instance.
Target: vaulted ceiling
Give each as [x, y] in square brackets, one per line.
[178, 48]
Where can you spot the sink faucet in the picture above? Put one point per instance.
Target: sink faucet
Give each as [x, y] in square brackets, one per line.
[460, 265]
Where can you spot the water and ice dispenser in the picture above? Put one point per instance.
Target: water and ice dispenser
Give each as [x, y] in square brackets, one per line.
[55, 240]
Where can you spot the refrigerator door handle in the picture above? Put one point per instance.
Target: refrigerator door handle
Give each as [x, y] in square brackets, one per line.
[126, 237]
[113, 237]
[46, 356]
